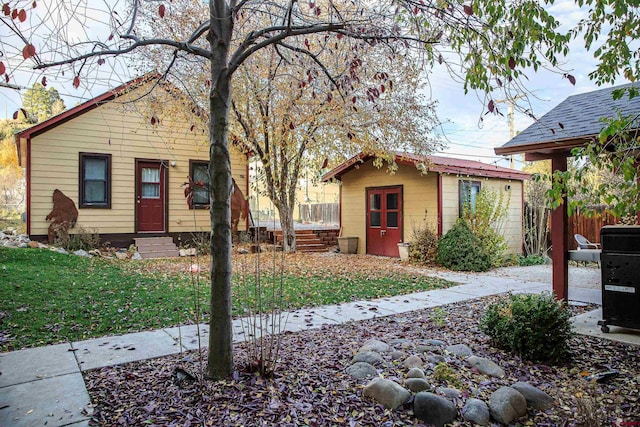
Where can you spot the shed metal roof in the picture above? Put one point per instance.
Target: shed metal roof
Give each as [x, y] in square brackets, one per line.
[434, 164]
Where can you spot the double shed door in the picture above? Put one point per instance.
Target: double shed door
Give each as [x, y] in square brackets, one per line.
[384, 221]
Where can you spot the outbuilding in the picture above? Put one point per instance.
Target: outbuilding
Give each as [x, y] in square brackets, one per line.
[381, 206]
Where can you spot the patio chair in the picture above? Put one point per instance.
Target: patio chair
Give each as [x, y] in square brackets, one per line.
[583, 243]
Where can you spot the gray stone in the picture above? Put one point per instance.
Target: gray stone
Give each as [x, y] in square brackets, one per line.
[243, 251]
[506, 404]
[26, 245]
[397, 355]
[449, 393]
[427, 348]
[122, 255]
[82, 253]
[375, 345]
[412, 362]
[386, 392]
[485, 366]
[436, 359]
[437, 343]
[370, 357]
[535, 397]
[362, 370]
[187, 252]
[476, 411]
[434, 409]
[415, 373]
[459, 350]
[136, 256]
[417, 384]
[400, 343]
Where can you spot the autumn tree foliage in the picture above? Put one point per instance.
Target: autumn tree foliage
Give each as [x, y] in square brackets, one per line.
[11, 176]
[296, 111]
[487, 45]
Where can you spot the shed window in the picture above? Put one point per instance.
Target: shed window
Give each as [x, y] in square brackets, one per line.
[95, 180]
[468, 192]
[200, 174]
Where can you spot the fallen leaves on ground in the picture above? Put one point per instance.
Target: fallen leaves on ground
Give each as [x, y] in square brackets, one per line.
[311, 387]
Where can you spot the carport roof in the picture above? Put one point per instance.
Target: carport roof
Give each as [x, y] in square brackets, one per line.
[572, 123]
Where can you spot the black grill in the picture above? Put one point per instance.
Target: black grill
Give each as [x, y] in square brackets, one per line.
[620, 276]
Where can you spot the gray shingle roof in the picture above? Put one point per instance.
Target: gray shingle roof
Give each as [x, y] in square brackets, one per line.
[576, 117]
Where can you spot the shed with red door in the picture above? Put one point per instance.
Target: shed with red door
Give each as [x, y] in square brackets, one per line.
[383, 205]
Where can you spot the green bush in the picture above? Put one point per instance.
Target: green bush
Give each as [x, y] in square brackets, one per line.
[460, 250]
[486, 219]
[536, 327]
[423, 246]
[531, 260]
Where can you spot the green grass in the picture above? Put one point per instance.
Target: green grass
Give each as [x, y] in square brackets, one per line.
[47, 297]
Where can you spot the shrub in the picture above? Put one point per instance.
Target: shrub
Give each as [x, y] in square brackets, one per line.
[531, 260]
[460, 250]
[85, 239]
[536, 327]
[423, 245]
[445, 373]
[486, 220]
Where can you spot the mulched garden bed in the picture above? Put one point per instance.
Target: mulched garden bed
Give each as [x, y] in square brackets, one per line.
[311, 387]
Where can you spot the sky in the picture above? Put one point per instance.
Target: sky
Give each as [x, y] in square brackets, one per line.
[464, 134]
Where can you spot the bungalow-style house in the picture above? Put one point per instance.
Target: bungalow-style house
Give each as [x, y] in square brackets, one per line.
[123, 163]
[381, 208]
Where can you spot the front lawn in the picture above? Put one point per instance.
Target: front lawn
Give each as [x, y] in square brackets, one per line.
[47, 297]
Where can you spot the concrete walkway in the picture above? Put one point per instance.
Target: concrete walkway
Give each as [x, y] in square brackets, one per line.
[44, 385]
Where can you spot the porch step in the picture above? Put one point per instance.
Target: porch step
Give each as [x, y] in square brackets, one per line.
[156, 247]
[306, 241]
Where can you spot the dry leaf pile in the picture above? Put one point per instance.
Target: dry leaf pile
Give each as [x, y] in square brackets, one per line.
[311, 388]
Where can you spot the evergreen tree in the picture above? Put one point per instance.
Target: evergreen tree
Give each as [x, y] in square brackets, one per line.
[41, 103]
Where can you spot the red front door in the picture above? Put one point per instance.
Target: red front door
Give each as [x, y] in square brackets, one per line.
[384, 221]
[150, 197]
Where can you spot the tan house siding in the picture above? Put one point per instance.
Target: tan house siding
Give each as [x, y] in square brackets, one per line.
[419, 199]
[420, 204]
[512, 225]
[126, 136]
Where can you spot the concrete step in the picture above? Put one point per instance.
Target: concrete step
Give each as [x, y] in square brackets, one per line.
[156, 247]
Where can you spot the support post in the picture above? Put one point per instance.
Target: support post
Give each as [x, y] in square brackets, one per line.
[559, 240]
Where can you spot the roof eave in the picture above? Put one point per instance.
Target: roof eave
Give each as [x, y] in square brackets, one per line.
[83, 108]
[544, 146]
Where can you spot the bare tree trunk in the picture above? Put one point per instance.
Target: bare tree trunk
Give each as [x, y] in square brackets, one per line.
[288, 230]
[220, 358]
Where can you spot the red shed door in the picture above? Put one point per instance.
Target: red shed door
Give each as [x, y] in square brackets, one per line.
[384, 221]
[150, 197]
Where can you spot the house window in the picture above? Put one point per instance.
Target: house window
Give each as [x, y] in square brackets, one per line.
[199, 172]
[468, 192]
[95, 180]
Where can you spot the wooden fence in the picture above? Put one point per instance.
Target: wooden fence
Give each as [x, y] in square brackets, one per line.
[325, 213]
[589, 227]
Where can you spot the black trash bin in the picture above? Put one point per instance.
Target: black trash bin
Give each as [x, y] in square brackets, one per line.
[620, 276]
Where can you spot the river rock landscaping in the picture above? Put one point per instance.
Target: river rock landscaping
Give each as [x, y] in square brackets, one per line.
[421, 368]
